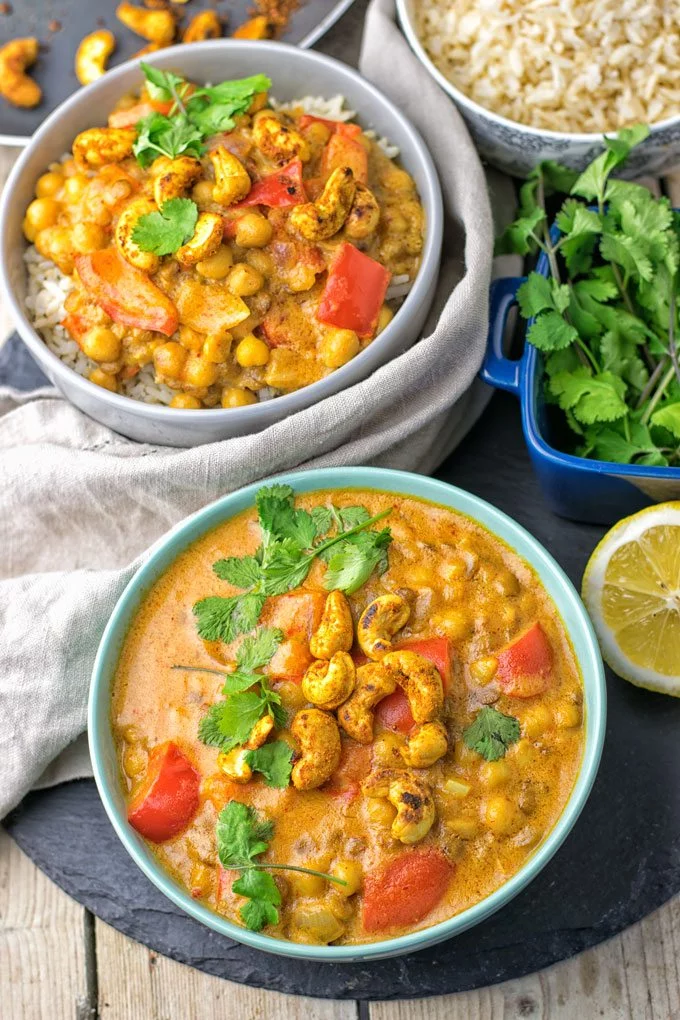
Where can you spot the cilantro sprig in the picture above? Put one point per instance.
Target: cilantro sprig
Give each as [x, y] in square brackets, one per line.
[607, 318]
[292, 539]
[248, 697]
[194, 114]
[491, 733]
[164, 231]
[242, 837]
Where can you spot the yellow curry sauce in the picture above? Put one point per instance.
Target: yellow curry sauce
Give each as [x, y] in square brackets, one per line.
[294, 211]
[466, 591]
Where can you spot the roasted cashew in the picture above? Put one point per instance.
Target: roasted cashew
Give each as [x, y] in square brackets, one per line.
[158, 26]
[15, 85]
[319, 220]
[207, 238]
[173, 177]
[328, 684]
[233, 763]
[92, 54]
[258, 27]
[206, 25]
[411, 796]
[319, 739]
[373, 683]
[98, 146]
[335, 633]
[277, 141]
[232, 181]
[421, 682]
[129, 249]
[364, 215]
[379, 622]
[425, 745]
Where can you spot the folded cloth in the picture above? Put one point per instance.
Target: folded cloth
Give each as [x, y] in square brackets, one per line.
[80, 504]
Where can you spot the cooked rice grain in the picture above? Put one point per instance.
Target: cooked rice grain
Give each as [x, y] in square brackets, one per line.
[560, 65]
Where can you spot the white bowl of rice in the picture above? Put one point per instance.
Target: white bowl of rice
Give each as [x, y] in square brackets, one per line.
[35, 289]
[545, 79]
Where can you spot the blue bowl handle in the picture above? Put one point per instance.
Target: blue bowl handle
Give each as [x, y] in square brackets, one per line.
[497, 370]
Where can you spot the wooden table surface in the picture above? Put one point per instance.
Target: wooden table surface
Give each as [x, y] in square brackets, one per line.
[59, 962]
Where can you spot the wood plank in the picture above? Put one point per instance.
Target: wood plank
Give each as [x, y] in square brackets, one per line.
[136, 983]
[42, 958]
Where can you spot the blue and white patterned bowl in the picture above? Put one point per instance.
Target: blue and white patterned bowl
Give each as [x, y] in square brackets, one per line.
[518, 148]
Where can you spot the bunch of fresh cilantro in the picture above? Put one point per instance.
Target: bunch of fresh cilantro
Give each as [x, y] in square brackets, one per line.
[195, 114]
[291, 541]
[606, 319]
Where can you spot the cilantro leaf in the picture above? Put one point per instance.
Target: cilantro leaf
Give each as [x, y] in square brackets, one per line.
[158, 135]
[274, 761]
[353, 561]
[229, 723]
[591, 398]
[539, 293]
[628, 253]
[550, 332]
[519, 236]
[323, 519]
[591, 183]
[223, 619]
[491, 733]
[241, 835]
[162, 85]
[609, 443]
[242, 572]
[668, 417]
[352, 516]
[263, 898]
[257, 649]
[235, 91]
[164, 231]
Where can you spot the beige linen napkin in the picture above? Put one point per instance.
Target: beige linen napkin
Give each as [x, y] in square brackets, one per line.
[79, 504]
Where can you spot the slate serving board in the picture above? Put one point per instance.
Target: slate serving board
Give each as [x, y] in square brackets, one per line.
[621, 861]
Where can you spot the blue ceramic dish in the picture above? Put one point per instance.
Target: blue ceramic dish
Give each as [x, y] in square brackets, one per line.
[165, 551]
[595, 491]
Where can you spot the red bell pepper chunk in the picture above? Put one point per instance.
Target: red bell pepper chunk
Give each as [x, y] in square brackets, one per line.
[168, 799]
[285, 187]
[125, 293]
[437, 650]
[355, 764]
[406, 889]
[394, 712]
[345, 150]
[133, 114]
[334, 126]
[525, 666]
[354, 292]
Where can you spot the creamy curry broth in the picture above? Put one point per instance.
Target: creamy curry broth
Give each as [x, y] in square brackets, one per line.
[464, 585]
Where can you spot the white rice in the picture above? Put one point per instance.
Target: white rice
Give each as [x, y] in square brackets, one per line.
[560, 65]
[48, 287]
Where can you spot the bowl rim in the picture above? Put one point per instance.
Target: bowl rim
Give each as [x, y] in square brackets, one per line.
[307, 396]
[532, 374]
[590, 137]
[566, 599]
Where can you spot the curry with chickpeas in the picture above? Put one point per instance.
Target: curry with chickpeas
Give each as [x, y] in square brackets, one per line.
[241, 251]
[345, 716]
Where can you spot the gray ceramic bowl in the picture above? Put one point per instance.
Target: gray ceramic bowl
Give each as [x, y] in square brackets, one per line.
[517, 148]
[294, 73]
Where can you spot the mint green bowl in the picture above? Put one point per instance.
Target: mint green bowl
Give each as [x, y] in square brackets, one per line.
[165, 551]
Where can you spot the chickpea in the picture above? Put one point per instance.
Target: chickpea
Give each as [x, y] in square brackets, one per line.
[30, 233]
[567, 716]
[455, 623]
[43, 212]
[49, 184]
[252, 352]
[187, 401]
[190, 339]
[103, 379]
[380, 812]
[350, 872]
[202, 193]
[317, 133]
[260, 260]
[134, 761]
[100, 344]
[169, 359]
[397, 180]
[339, 346]
[75, 186]
[316, 923]
[253, 230]
[292, 696]
[217, 266]
[198, 371]
[387, 750]
[244, 281]
[300, 278]
[234, 396]
[506, 583]
[524, 752]
[308, 885]
[500, 815]
[88, 237]
[216, 348]
[384, 319]
[55, 243]
[463, 755]
[536, 721]
[493, 774]
[484, 670]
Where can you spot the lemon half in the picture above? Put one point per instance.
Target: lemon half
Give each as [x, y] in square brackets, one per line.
[631, 588]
